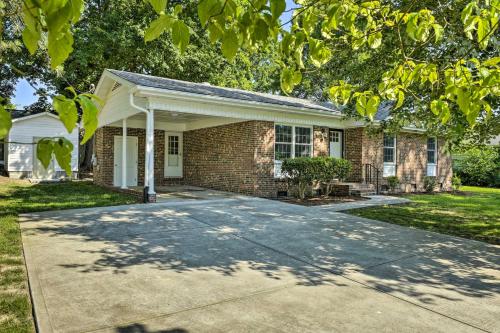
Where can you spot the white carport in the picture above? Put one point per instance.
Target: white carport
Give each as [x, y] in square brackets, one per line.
[148, 102]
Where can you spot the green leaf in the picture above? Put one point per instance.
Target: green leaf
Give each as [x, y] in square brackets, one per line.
[5, 122]
[286, 80]
[60, 19]
[60, 45]
[277, 8]
[483, 31]
[180, 35]
[68, 113]
[215, 32]
[89, 117]
[209, 8]
[157, 27]
[401, 99]
[438, 32]
[76, 10]
[44, 150]
[372, 106]
[62, 150]
[318, 52]
[31, 38]
[375, 40]
[361, 104]
[158, 5]
[229, 44]
[411, 26]
[492, 61]
[260, 30]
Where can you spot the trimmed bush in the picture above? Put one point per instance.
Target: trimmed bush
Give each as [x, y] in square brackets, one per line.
[477, 166]
[304, 171]
[343, 168]
[299, 171]
[429, 184]
[393, 182]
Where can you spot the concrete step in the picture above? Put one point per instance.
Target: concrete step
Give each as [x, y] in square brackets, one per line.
[360, 186]
[362, 193]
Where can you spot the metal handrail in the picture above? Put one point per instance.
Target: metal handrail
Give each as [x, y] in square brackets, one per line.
[370, 169]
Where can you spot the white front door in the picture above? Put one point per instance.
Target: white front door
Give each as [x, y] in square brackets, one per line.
[173, 154]
[132, 159]
[335, 144]
[39, 171]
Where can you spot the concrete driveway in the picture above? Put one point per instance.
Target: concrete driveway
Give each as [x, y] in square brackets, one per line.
[253, 265]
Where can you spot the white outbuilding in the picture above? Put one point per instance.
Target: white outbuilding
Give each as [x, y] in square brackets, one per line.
[18, 152]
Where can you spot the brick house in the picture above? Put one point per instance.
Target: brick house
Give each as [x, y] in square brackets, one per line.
[227, 139]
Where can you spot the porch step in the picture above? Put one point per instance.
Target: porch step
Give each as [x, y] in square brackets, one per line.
[362, 193]
[361, 189]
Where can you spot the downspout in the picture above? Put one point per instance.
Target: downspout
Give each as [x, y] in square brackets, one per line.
[137, 107]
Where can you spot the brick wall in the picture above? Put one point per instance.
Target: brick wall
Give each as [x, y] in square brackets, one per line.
[353, 138]
[363, 147]
[321, 144]
[237, 157]
[104, 153]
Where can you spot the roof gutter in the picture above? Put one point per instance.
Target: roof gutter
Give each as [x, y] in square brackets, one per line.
[132, 103]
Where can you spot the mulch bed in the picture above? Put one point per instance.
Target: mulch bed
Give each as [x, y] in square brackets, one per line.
[318, 201]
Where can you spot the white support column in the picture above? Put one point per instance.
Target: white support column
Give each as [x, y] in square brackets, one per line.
[151, 160]
[124, 153]
[146, 156]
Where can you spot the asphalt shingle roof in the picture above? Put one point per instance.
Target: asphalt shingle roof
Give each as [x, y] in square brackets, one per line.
[209, 90]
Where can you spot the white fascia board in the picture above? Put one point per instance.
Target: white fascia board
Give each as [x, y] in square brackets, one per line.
[34, 116]
[179, 95]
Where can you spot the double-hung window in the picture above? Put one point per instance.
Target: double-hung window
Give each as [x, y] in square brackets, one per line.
[389, 155]
[431, 157]
[291, 141]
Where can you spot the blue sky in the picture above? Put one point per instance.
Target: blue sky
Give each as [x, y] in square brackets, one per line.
[25, 94]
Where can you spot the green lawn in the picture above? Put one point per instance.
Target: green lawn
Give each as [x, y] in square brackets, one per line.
[473, 214]
[22, 197]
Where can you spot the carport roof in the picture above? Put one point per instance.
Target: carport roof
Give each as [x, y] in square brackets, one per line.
[209, 90]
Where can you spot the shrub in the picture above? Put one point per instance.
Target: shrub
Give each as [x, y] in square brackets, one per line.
[324, 168]
[343, 168]
[299, 171]
[303, 171]
[477, 166]
[456, 182]
[393, 182]
[429, 184]
[329, 169]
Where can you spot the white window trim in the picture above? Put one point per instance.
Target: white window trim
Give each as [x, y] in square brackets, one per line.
[278, 162]
[432, 166]
[393, 163]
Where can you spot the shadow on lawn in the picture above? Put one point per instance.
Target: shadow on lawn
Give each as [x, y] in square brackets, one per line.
[276, 239]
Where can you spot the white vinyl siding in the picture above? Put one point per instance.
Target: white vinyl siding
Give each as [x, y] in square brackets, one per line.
[431, 157]
[389, 155]
[291, 141]
[20, 147]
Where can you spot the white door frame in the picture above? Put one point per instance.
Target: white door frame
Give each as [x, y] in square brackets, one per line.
[174, 171]
[340, 142]
[131, 163]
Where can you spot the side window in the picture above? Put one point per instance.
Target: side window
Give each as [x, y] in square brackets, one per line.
[389, 155]
[431, 157]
